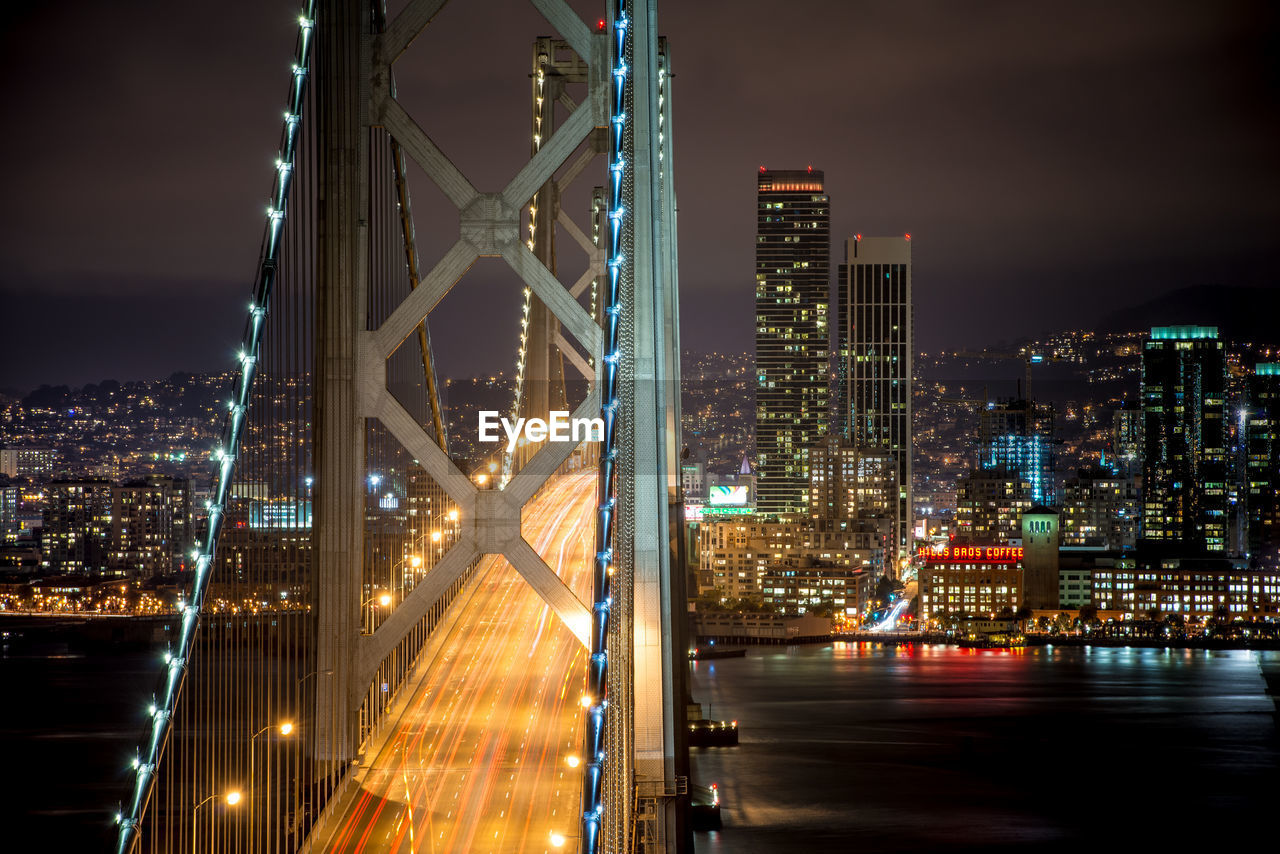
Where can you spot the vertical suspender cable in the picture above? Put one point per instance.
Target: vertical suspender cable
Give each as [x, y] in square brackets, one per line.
[224, 457]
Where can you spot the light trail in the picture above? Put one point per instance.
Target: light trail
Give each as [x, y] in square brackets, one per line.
[890, 622]
[477, 760]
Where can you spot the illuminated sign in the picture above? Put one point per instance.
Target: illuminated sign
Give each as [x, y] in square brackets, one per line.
[280, 513]
[792, 187]
[735, 496]
[982, 554]
[698, 512]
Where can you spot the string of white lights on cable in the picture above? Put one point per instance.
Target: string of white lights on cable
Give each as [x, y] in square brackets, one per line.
[162, 710]
[539, 98]
[598, 667]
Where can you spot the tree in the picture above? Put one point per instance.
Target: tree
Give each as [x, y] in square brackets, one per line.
[1088, 614]
[885, 588]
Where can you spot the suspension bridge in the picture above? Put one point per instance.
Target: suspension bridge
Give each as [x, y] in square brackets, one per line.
[385, 645]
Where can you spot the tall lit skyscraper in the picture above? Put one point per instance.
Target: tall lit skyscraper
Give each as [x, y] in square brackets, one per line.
[875, 356]
[1262, 437]
[1016, 436]
[793, 266]
[1184, 469]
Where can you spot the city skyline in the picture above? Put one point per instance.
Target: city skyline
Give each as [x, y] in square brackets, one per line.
[927, 534]
[1071, 163]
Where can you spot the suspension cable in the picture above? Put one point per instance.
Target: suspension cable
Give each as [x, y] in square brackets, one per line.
[598, 667]
[224, 457]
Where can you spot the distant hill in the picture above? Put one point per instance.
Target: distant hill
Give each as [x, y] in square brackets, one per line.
[1240, 313]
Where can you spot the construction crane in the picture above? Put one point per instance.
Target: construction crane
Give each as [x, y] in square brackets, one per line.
[1026, 356]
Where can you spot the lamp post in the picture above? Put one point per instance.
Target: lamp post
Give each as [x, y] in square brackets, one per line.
[286, 729]
[383, 599]
[298, 684]
[232, 798]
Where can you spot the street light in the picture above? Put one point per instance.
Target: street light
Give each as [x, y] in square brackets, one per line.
[286, 728]
[312, 673]
[232, 798]
[383, 598]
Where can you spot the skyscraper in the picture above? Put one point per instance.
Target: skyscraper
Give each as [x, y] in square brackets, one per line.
[1016, 437]
[874, 360]
[1184, 469]
[793, 264]
[1262, 437]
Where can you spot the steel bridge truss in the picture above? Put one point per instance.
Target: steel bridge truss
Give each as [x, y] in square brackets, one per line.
[636, 769]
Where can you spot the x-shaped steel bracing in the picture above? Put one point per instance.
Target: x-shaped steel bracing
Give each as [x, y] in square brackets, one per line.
[489, 226]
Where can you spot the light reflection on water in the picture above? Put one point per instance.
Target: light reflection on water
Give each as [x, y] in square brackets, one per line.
[857, 747]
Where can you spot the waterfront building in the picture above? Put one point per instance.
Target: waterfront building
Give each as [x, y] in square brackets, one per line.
[824, 590]
[874, 359]
[735, 554]
[1184, 473]
[1075, 585]
[1040, 558]
[793, 256]
[1195, 588]
[977, 580]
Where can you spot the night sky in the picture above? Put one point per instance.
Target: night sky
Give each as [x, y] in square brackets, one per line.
[1052, 161]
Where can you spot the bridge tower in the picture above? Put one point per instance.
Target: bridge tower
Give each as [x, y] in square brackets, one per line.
[635, 785]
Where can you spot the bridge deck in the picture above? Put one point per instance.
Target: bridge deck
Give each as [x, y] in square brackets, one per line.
[476, 758]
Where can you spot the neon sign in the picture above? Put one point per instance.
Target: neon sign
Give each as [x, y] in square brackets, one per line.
[985, 554]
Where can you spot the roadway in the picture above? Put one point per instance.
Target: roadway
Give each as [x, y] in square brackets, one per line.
[478, 760]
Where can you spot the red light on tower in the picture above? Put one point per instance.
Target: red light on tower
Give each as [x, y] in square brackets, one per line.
[811, 170]
[857, 237]
[908, 235]
[600, 25]
[762, 169]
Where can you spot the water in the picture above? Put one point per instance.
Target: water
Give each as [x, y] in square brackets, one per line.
[844, 747]
[70, 723]
[849, 747]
